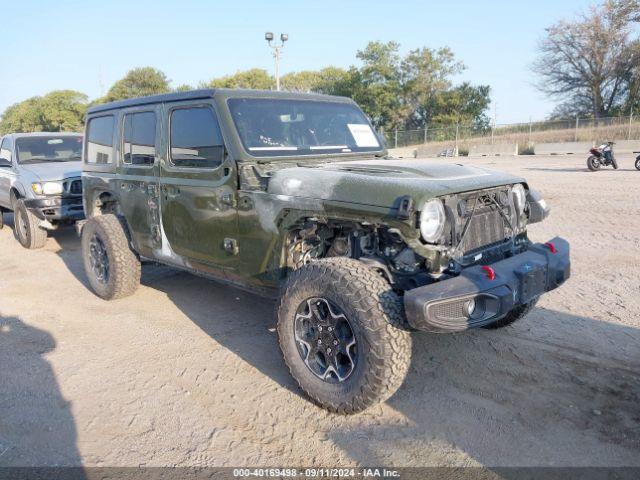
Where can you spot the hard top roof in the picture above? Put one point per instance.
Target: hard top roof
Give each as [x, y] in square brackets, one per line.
[210, 93]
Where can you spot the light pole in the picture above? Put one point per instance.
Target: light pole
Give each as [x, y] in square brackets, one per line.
[276, 52]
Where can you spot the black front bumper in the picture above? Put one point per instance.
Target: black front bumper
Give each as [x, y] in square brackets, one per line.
[473, 299]
[56, 208]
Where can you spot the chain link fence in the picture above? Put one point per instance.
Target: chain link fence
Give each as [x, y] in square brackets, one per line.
[526, 135]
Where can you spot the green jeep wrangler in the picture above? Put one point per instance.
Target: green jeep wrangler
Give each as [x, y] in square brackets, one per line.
[293, 196]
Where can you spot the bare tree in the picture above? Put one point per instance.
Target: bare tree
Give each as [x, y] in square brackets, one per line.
[589, 63]
[629, 9]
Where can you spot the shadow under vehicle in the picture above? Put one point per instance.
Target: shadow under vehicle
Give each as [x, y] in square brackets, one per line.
[293, 196]
[40, 182]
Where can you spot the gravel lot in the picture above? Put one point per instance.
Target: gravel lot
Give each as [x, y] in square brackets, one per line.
[187, 372]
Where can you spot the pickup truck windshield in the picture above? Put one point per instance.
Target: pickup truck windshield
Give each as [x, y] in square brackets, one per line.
[32, 150]
[278, 127]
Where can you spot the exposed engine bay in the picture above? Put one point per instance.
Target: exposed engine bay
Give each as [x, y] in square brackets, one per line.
[481, 227]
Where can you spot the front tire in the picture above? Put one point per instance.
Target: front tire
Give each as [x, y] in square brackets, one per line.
[26, 227]
[1, 218]
[638, 163]
[341, 331]
[614, 162]
[514, 315]
[112, 267]
[593, 163]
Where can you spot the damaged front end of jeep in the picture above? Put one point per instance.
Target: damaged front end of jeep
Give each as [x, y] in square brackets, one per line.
[460, 260]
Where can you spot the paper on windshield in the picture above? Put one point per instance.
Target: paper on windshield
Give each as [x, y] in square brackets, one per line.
[363, 135]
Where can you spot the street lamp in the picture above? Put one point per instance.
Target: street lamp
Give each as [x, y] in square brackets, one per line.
[276, 52]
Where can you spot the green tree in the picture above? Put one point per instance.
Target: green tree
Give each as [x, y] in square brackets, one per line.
[256, 78]
[426, 78]
[377, 84]
[64, 110]
[465, 104]
[414, 90]
[57, 111]
[329, 80]
[138, 82]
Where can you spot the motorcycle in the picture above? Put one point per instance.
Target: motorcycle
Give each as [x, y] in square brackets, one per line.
[602, 156]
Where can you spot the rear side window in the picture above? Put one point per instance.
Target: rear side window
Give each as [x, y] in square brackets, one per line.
[100, 140]
[139, 138]
[196, 140]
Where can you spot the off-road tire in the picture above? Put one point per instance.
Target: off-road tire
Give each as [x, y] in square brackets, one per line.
[637, 163]
[614, 162]
[1, 218]
[376, 316]
[515, 314]
[26, 227]
[123, 265]
[593, 163]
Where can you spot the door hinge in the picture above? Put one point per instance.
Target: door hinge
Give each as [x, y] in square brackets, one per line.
[231, 246]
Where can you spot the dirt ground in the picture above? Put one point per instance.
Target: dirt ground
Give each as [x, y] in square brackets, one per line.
[187, 372]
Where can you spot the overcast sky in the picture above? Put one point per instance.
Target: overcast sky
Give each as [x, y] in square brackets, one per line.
[82, 45]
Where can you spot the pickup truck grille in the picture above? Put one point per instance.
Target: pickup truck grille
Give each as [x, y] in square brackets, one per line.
[73, 187]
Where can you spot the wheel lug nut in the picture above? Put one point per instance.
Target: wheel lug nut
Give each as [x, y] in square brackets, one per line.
[335, 342]
[320, 328]
[319, 342]
[329, 328]
[328, 350]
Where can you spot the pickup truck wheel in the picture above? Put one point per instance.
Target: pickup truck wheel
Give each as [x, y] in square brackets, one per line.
[515, 314]
[342, 332]
[26, 227]
[112, 267]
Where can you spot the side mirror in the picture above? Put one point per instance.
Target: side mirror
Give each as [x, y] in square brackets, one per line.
[4, 163]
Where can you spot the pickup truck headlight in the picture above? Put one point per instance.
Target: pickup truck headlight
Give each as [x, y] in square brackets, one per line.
[432, 220]
[519, 197]
[48, 188]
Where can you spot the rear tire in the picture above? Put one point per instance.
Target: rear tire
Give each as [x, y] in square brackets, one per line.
[111, 265]
[371, 362]
[514, 315]
[593, 163]
[26, 227]
[1, 218]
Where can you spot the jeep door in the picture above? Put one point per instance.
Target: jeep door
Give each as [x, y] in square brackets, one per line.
[138, 167]
[198, 187]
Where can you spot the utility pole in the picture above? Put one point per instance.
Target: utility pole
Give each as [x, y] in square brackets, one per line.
[277, 49]
[630, 122]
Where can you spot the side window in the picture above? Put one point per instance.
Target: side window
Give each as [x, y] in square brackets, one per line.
[100, 140]
[6, 148]
[196, 140]
[139, 138]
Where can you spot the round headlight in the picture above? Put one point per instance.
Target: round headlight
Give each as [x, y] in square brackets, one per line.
[519, 197]
[432, 220]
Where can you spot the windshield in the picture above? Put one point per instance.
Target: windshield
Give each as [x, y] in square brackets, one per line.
[276, 127]
[48, 149]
